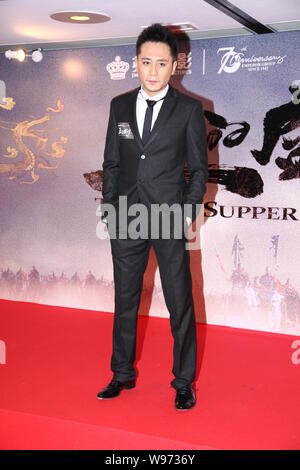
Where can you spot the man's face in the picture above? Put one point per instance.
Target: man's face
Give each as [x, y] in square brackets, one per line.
[155, 66]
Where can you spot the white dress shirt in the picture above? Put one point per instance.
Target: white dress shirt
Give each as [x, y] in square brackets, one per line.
[141, 106]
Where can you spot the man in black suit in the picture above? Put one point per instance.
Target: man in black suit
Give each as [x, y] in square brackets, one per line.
[152, 132]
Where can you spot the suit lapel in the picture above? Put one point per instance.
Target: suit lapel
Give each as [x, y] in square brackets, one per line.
[132, 119]
[162, 118]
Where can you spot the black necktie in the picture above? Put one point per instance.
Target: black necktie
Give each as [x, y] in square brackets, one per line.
[148, 120]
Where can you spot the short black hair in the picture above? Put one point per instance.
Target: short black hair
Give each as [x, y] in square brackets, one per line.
[157, 33]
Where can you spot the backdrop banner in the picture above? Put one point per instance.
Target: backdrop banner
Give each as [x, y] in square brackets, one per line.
[53, 119]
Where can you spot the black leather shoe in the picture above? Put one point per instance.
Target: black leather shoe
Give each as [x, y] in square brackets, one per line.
[114, 388]
[185, 398]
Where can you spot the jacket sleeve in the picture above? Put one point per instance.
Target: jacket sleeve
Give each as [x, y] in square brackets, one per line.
[196, 159]
[111, 163]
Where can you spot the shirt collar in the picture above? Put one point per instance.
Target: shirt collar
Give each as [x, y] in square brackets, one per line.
[159, 96]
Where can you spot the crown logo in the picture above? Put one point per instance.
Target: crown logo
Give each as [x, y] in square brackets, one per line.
[117, 69]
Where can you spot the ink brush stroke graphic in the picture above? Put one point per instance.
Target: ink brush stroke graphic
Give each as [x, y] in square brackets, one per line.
[277, 122]
[233, 139]
[245, 182]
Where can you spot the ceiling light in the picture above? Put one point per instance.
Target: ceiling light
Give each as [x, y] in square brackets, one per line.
[19, 55]
[80, 18]
[77, 17]
[37, 55]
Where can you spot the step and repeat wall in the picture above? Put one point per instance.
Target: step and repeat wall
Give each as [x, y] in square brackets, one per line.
[53, 120]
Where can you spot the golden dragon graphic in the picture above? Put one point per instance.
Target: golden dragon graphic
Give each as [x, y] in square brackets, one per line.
[31, 162]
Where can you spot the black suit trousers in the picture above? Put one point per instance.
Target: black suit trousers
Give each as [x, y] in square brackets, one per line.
[130, 258]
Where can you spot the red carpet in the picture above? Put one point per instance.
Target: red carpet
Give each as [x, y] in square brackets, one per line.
[57, 359]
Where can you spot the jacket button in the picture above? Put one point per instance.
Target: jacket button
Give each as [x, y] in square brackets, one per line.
[143, 157]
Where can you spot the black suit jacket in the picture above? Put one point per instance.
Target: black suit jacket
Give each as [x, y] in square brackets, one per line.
[154, 173]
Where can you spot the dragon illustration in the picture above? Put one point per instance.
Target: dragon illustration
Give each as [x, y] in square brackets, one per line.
[31, 162]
